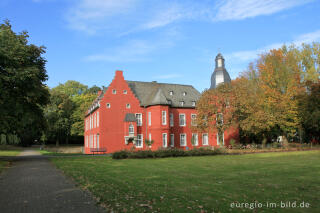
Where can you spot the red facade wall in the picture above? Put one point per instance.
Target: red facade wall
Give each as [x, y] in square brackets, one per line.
[113, 129]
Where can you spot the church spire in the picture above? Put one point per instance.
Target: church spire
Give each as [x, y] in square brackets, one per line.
[220, 74]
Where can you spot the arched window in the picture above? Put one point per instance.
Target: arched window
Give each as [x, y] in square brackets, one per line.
[131, 129]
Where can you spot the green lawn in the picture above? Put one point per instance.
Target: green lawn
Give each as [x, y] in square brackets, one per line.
[195, 184]
[9, 152]
[45, 152]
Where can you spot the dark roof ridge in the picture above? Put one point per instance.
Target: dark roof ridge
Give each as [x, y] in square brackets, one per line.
[151, 82]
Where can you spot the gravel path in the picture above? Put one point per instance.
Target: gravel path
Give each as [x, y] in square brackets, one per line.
[33, 184]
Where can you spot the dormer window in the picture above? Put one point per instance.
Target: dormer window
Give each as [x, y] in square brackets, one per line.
[193, 103]
[125, 92]
[181, 103]
[114, 91]
[171, 92]
[169, 102]
[184, 93]
[128, 106]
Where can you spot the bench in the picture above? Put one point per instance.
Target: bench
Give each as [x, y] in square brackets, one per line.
[97, 150]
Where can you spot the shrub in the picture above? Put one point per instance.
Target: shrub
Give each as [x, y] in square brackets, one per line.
[121, 154]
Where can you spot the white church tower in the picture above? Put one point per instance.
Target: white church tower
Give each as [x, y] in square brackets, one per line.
[220, 74]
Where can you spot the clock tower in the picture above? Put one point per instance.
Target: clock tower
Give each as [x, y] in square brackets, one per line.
[220, 74]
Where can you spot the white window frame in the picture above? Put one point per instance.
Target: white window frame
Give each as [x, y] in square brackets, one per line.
[94, 141]
[139, 138]
[164, 140]
[171, 119]
[185, 139]
[95, 120]
[86, 141]
[149, 118]
[193, 120]
[171, 93]
[222, 139]
[108, 105]
[128, 106]
[98, 141]
[164, 117]
[185, 122]
[98, 119]
[114, 91]
[184, 93]
[197, 141]
[139, 121]
[181, 103]
[150, 138]
[205, 134]
[131, 129]
[172, 140]
[125, 92]
[193, 103]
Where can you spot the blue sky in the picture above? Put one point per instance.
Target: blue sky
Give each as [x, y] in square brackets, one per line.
[172, 41]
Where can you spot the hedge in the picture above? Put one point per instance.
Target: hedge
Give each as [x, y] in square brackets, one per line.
[163, 153]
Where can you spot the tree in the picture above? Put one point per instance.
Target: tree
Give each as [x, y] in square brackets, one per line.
[22, 89]
[58, 114]
[216, 111]
[71, 88]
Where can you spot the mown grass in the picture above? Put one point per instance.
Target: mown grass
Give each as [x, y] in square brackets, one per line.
[196, 184]
[49, 153]
[9, 152]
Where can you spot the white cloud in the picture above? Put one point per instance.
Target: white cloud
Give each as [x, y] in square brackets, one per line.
[249, 55]
[167, 76]
[132, 51]
[242, 9]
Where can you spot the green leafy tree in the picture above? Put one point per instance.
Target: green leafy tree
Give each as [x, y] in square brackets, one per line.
[22, 89]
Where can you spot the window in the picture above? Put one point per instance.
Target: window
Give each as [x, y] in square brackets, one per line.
[150, 137]
[193, 103]
[139, 142]
[219, 118]
[139, 119]
[164, 139]
[164, 117]
[169, 102]
[183, 140]
[94, 141]
[108, 105]
[195, 139]
[205, 139]
[125, 92]
[181, 103]
[131, 129]
[149, 118]
[184, 93]
[98, 143]
[193, 119]
[171, 92]
[90, 122]
[114, 91]
[95, 120]
[98, 119]
[86, 141]
[128, 106]
[220, 136]
[182, 119]
[172, 140]
[171, 119]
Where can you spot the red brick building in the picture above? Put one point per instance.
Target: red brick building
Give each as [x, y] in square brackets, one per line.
[128, 112]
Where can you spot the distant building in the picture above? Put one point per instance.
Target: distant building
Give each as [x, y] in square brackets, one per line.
[128, 112]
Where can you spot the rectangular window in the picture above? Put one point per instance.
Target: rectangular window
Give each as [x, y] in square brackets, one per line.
[172, 140]
[95, 121]
[182, 119]
[171, 119]
[128, 106]
[164, 118]
[205, 139]
[139, 119]
[164, 139]
[94, 141]
[150, 137]
[86, 142]
[98, 142]
[183, 139]
[108, 105]
[139, 142]
[193, 119]
[98, 119]
[114, 91]
[149, 118]
[90, 139]
[90, 122]
[195, 139]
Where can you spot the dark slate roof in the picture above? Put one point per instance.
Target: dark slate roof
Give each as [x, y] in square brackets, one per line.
[219, 72]
[130, 117]
[153, 93]
[95, 103]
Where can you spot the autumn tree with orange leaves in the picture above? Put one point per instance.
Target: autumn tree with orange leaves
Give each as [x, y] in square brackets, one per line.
[216, 111]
